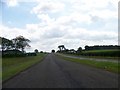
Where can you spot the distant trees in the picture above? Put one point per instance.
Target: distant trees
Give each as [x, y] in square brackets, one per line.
[97, 50]
[36, 51]
[41, 51]
[15, 44]
[11, 48]
[62, 49]
[101, 47]
[79, 50]
[86, 47]
[53, 51]
[20, 42]
[6, 44]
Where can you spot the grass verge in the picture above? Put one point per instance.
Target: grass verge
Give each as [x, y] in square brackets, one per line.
[109, 66]
[98, 57]
[13, 66]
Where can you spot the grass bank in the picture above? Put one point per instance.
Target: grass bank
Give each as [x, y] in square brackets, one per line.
[13, 66]
[109, 66]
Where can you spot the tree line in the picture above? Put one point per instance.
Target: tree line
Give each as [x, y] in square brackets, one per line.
[17, 43]
[111, 50]
[15, 47]
[101, 47]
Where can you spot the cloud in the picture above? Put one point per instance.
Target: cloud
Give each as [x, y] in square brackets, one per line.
[73, 23]
[83, 34]
[48, 7]
[12, 32]
[93, 4]
[46, 38]
[104, 9]
[11, 3]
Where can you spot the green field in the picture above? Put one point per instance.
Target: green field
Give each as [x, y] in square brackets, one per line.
[109, 66]
[109, 52]
[13, 66]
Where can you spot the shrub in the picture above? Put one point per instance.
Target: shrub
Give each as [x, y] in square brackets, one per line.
[12, 53]
[31, 54]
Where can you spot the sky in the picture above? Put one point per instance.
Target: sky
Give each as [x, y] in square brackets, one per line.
[50, 23]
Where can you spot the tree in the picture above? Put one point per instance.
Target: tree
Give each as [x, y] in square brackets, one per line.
[86, 47]
[41, 51]
[6, 44]
[53, 51]
[36, 51]
[20, 43]
[79, 50]
[61, 48]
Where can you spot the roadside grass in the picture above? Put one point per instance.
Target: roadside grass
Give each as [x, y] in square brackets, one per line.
[13, 66]
[98, 57]
[109, 66]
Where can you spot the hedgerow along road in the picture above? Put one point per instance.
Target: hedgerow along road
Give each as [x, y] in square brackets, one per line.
[54, 72]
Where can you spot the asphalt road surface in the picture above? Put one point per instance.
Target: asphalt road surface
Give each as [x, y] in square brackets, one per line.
[54, 72]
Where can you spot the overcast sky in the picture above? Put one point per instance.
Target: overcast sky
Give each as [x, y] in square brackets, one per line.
[49, 23]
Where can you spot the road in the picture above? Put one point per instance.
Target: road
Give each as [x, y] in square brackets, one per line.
[54, 72]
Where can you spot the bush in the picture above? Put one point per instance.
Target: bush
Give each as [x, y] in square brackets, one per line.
[12, 53]
[31, 54]
[53, 51]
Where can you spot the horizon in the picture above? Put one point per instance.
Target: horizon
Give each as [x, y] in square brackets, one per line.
[50, 23]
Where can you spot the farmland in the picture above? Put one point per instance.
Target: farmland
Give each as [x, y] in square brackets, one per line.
[108, 53]
[101, 54]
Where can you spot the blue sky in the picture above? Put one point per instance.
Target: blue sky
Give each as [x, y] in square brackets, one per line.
[18, 16]
[49, 23]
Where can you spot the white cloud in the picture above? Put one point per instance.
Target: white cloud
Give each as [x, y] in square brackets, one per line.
[12, 3]
[102, 8]
[83, 34]
[93, 4]
[12, 32]
[61, 22]
[74, 18]
[45, 18]
[104, 14]
[48, 7]
[49, 37]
